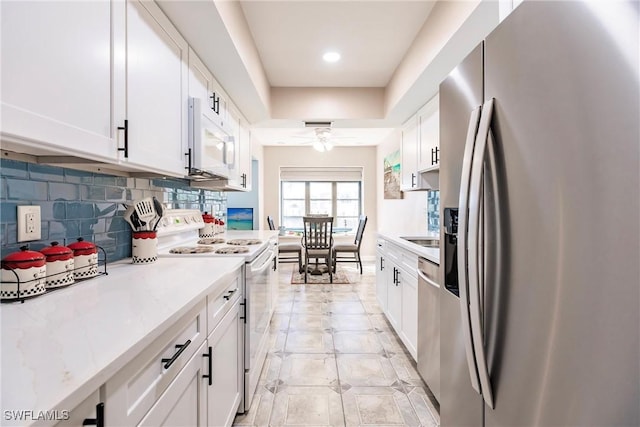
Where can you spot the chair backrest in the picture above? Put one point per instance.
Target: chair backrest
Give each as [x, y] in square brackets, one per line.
[272, 226]
[361, 224]
[318, 232]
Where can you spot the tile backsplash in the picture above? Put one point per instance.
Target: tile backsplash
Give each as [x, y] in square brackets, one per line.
[433, 211]
[83, 204]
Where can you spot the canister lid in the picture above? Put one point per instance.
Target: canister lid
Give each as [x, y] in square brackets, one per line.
[56, 252]
[83, 248]
[207, 218]
[23, 259]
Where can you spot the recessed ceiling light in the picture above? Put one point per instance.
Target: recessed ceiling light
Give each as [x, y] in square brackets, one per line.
[331, 56]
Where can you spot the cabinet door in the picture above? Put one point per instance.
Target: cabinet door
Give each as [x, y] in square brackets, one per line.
[87, 411]
[409, 152]
[157, 97]
[240, 171]
[429, 155]
[409, 331]
[183, 403]
[58, 60]
[381, 281]
[224, 391]
[394, 295]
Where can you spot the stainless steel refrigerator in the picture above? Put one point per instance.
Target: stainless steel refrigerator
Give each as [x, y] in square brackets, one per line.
[539, 180]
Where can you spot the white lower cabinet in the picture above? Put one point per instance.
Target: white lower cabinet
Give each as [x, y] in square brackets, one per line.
[223, 380]
[183, 403]
[397, 292]
[88, 413]
[409, 331]
[136, 389]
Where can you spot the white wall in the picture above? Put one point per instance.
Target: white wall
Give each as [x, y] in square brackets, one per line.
[365, 157]
[404, 216]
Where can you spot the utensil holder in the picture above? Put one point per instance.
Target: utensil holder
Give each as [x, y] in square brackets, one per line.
[144, 247]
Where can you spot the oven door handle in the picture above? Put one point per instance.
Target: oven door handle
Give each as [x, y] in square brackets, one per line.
[264, 266]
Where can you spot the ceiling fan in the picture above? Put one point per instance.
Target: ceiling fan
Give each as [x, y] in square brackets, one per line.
[322, 140]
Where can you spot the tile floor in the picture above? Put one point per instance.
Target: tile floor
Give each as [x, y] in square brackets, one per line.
[335, 361]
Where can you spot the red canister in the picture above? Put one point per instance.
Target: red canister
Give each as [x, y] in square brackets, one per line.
[59, 264]
[85, 259]
[208, 230]
[26, 268]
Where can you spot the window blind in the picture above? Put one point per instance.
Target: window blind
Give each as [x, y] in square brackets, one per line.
[342, 173]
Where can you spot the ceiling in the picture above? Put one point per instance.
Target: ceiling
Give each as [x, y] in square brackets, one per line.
[371, 36]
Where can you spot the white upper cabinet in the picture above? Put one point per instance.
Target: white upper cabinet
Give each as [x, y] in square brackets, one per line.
[156, 91]
[429, 137]
[58, 59]
[409, 151]
[240, 170]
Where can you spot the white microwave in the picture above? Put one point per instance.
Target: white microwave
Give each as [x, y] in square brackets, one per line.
[211, 150]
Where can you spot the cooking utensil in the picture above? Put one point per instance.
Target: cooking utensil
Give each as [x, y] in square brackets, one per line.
[127, 216]
[144, 209]
[159, 212]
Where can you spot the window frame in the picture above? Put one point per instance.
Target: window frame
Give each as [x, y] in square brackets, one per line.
[334, 199]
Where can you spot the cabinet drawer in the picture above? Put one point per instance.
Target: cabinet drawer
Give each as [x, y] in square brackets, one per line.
[221, 300]
[406, 260]
[84, 411]
[134, 389]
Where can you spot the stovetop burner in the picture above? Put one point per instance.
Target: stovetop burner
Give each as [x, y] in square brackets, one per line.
[191, 250]
[233, 250]
[211, 241]
[243, 242]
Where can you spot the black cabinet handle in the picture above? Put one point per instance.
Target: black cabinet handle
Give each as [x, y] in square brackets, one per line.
[180, 348]
[229, 294]
[215, 103]
[244, 310]
[98, 420]
[188, 156]
[397, 277]
[435, 154]
[125, 128]
[244, 180]
[413, 180]
[210, 374]
[275, 264]
[381, 263]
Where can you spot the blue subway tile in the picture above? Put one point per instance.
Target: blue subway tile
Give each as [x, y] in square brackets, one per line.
[44, 230]
[53, 210]
[121, 181]
[3, 188]
[88, 227]
[124, 237]
[62, 191]
[91, 192]
[78, 177]
[115, 194]
[8, 212]
[9, 249]
[104, 240]
[13, 168]
[142, 184]
[134, 194]
[116, 224]
[3, 235]
[105, 209]
[20, 189]
[80, 210]
[45, 172]
[12, 233]
[105, 180]
[67, 230]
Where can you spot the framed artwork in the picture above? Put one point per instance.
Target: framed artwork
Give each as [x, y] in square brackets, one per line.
[392, 176]
[239, 218]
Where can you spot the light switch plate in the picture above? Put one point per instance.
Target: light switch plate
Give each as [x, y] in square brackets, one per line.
[29, 223]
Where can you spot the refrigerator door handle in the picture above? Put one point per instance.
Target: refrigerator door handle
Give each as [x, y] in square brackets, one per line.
[462, 246]
[476, 272]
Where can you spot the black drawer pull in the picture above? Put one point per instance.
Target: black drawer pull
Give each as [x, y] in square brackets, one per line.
[210, 374]
[229, 295]
[125, 128]
[180, 348]
[98, 420]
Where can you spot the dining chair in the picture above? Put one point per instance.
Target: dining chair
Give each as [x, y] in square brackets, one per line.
[350, 252]
[317, 241]
[292, 251]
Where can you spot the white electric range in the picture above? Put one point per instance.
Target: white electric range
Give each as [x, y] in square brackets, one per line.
[178, 237]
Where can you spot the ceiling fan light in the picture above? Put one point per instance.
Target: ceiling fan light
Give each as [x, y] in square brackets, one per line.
[318, 146]
[328, 145]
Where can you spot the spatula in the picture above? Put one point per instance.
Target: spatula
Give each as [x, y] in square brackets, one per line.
[146, 212]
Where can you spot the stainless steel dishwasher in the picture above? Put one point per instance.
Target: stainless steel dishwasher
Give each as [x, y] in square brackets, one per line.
[429, 325]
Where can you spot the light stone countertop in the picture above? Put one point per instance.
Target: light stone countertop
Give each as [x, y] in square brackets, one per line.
[432, 254]
[59, 347]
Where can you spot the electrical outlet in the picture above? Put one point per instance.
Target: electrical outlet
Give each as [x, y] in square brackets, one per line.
[29, 223]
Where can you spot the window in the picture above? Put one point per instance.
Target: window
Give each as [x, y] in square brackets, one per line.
[342, 200]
